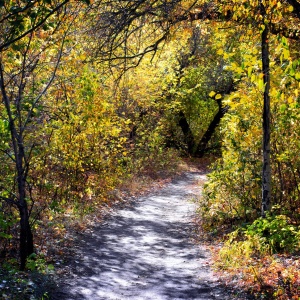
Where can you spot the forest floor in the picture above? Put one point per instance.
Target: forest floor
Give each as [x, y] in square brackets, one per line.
[144, 250]
[146, 242]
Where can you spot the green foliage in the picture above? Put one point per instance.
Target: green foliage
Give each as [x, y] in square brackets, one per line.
[6, 223]
[233, 192]
[81, 132]
[11, 266]
[238, 249]
[38, 263]
[190, 79]
[273, 234]
[277, 232]
[247, 254]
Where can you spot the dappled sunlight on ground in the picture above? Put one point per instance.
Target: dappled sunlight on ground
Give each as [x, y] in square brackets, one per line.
[144, 252]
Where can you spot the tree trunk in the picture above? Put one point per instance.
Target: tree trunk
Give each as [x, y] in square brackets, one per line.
[188, 135]
[26, 238]
[266, 170]
[202, 146]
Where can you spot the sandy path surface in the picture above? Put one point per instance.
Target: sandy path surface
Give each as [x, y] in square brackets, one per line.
[144, 252]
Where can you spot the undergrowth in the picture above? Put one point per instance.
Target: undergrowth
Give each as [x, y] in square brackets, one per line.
[56, 227]
[263, 258]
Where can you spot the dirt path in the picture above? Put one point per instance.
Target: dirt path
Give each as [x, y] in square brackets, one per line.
[144, 252]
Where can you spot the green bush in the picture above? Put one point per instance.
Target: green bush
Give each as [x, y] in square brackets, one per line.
[277, 232]
[38, 262]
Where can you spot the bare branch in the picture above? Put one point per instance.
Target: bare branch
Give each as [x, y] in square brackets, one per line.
[43, 92]
[35, 27]
[9, 200]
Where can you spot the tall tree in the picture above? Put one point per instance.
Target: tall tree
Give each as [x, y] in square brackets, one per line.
[22, 79]
[30, 51]
[266, 169]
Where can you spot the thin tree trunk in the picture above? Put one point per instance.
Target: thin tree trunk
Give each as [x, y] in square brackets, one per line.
[266, 170]
[202, 146]
[26, 238]
[188, 135]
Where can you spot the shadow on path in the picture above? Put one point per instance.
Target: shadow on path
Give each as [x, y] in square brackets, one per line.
[144, 252]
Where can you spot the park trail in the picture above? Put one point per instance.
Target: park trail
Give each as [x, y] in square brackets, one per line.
[144, 251]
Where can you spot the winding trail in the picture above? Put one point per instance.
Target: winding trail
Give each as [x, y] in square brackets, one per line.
[145, 252]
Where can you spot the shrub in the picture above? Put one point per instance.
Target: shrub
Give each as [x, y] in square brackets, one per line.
[277, 232]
